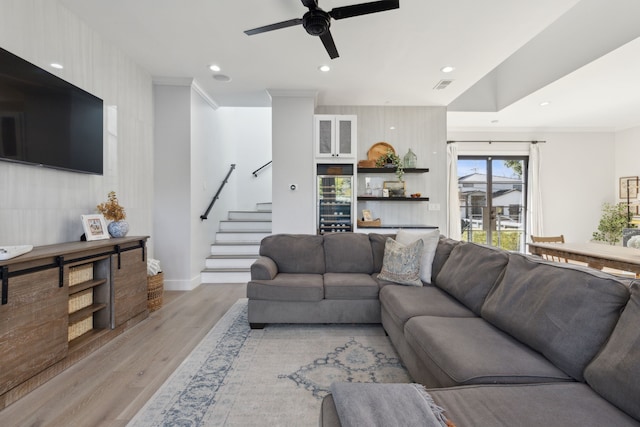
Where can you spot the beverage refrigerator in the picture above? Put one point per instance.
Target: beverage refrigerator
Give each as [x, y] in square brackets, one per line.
[334, 198]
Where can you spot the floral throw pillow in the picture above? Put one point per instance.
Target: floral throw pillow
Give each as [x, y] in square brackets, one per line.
[401, 264]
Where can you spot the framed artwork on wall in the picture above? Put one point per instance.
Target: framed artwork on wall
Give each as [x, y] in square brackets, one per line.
[95, 227]
[628, 187]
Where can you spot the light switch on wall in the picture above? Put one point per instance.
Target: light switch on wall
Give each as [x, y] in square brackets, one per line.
[434, 206]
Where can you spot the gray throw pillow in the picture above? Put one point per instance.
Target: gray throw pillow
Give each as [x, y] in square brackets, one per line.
[401, 264]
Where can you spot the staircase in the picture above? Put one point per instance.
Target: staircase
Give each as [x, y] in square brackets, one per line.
[236, 245]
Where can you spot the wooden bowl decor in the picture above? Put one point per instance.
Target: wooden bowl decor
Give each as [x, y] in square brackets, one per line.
[378, 150]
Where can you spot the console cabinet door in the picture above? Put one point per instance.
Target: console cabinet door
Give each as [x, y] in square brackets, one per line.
[33, 326]
[129, 285]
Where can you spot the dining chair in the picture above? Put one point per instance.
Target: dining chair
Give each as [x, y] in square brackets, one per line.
[550, 239]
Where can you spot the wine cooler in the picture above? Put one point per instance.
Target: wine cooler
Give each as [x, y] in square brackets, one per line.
[335, 198]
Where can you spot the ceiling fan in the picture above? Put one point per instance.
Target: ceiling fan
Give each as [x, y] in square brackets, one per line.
[317, 22]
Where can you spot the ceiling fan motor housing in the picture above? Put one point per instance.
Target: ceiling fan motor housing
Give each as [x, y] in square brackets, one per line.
[316, 22]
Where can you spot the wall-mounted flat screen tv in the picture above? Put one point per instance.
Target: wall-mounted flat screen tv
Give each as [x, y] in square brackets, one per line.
[47, 121]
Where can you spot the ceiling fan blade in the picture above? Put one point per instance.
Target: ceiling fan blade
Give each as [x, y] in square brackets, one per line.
[311, 4]
[327, 41]
[277, 26]
[364, 8]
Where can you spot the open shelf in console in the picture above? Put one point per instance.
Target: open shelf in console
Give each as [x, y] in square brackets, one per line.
[89, 296]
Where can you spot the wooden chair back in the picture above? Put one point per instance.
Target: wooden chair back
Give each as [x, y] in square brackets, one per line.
[550, 239]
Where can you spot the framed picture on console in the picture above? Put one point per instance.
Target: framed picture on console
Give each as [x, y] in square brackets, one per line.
[95, 227]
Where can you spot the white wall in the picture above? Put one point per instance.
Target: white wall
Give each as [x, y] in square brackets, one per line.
[577, 171]
[43, 206]
[248, 132]
[192, 159]
[627, 150]
[210, 160]
[292, 149]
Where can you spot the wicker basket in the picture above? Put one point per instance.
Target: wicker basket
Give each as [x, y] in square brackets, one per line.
[155, 291]
[80, 300]
[80, 328]
[81, 273]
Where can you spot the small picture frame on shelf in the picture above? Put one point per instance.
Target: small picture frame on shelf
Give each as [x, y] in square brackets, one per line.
[366, 215]
[396, 188]
[95, 227]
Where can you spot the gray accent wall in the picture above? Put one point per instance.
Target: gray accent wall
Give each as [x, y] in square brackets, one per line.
[41, 206]
[424, 130]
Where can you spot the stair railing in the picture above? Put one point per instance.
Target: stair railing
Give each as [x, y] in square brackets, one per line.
[224, 182]
[255, 172]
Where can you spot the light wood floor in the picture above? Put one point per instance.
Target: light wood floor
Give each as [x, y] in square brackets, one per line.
[109, 386]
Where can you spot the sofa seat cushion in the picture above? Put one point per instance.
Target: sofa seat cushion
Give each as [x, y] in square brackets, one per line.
[555, 404]
[467, 350]
[405, 302]
[563, 311]
[615, 372]
[348, 253]
[350, 286]
[288, 287]
[470, 272]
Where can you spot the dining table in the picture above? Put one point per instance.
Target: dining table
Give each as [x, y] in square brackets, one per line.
[596, 255]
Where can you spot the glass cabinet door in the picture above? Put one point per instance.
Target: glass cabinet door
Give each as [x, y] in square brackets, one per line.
[334, 204]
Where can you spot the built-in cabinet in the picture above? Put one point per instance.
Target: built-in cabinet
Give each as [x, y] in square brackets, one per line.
[335, 136]
[60, 302]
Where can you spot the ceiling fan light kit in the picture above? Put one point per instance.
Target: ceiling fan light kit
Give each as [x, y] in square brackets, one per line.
[317, 22]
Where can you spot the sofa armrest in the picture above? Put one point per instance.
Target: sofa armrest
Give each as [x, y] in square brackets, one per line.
[264, 268]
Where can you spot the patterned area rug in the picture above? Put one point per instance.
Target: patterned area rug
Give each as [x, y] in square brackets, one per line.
[276, 376]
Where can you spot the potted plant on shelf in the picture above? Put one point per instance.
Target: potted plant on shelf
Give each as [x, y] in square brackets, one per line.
[112, 211]
[391, 160]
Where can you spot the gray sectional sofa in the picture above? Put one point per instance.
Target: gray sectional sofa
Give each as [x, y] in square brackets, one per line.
[498, 338]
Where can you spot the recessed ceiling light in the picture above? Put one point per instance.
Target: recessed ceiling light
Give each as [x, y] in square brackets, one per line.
[222, 78]
[56, 65]
[544, 103]
[447, 69]
[215, 68]
[392, 127]
[324, 68]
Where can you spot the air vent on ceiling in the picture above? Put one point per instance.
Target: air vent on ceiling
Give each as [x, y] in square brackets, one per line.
[442, 84]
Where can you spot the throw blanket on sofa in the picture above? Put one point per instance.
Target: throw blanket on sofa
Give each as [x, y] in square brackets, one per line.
[386, 405]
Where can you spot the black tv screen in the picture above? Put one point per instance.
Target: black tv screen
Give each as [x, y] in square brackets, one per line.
[47, 121]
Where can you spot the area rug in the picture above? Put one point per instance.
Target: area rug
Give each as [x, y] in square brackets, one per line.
[276, 376]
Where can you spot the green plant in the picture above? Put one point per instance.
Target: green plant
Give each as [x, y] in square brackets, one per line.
[391, 158]
[614, 219]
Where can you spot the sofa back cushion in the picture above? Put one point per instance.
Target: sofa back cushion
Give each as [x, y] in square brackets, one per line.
[378, 242]
[295, 253]
[348, 253]
[470, 272]
[563, 311]
[615, 372]
[443, 250]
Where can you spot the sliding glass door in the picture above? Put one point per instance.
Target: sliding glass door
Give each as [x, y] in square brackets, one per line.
[493, 194]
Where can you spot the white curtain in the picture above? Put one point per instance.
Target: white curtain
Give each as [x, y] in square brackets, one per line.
[534, 202]
[453, 201]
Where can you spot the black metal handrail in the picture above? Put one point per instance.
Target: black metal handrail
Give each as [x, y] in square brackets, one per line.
[226, 178]
[255, 172]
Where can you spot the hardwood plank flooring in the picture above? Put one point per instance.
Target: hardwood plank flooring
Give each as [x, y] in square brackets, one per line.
[109, 386]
